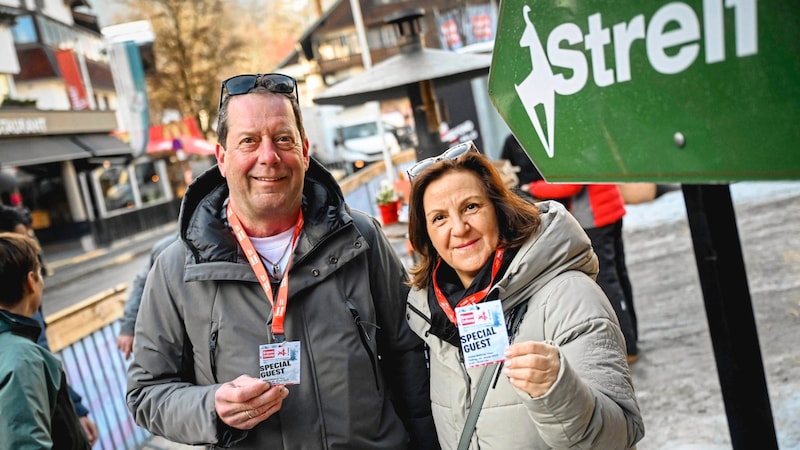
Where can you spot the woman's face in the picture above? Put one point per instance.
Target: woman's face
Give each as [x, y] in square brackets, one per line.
[461, 222]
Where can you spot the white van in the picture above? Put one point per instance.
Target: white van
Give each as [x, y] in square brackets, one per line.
[361, 143]
[361, 136]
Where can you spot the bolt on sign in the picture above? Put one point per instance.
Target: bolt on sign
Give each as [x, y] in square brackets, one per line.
[698, 91]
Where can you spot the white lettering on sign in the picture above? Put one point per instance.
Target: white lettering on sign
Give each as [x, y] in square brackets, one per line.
[672, 38]
[34, 125]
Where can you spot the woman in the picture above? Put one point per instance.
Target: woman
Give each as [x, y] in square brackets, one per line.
[565, 382]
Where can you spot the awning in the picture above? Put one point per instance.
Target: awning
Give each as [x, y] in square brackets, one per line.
[181, 135]
[391, 77]
[39, 150]
[101, 145]
[188, 144]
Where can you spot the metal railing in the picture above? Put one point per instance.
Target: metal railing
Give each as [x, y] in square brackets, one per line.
[84, 337]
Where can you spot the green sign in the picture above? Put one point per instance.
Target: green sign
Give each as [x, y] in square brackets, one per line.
[690, 91]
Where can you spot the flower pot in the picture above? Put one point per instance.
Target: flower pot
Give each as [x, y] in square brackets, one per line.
[389, 212]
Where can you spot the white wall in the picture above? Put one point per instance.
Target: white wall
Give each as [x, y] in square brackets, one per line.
[50, 94]
[8, 56]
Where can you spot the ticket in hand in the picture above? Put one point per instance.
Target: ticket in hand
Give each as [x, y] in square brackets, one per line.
[280, 363]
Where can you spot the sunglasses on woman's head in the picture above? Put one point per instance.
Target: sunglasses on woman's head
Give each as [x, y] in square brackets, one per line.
[453, 152]
[242, 84]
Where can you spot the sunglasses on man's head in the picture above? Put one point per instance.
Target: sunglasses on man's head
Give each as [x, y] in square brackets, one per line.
[242, 84]
[453, 152]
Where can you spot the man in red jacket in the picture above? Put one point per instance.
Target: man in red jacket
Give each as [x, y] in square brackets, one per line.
[599, 209]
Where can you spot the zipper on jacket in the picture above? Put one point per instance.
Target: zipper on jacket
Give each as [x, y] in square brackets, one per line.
[419, 313]
[212, 350]
[364, 336]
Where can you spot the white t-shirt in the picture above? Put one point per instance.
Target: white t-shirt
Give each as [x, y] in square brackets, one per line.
[275, 250]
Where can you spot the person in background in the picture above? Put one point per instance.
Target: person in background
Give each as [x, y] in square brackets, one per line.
[516, 155]
[527, 172]
[599, 208]
[128, 321]
[37, 410]
[272, 258]
[13, 219]
[564, 382]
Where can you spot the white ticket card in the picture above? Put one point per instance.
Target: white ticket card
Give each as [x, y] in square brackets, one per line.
[280, 363]
[482, 328]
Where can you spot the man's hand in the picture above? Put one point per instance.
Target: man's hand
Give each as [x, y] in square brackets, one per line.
[246, 401]
[532, 366]
[125, 344]
[90, 429]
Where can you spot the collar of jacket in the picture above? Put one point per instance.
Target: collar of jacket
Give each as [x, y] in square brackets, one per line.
[19, 325]
[202, 224]
[454, 292]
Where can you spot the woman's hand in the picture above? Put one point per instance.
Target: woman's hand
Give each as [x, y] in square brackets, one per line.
[532, 366]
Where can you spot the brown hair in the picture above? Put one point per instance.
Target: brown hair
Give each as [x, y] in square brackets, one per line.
[517, 219]
[222, 122]
[18, 257]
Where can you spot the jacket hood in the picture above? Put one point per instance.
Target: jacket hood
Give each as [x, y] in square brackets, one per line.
[203, 227]
[559, 246]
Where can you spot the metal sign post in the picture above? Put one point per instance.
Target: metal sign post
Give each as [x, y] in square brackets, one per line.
[729, 311]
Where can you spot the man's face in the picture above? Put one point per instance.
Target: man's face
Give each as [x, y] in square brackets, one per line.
[265, 162]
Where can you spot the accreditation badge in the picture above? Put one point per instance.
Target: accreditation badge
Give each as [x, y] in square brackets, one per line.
[280, 363]
[482, 328]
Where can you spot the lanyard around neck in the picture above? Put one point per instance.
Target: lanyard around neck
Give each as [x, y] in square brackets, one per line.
[278, 302]
[475, 297]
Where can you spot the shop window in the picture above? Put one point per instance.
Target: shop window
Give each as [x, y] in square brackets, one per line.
[149, 182]
[116, 187]
[24, 32]
[383, 37]
[124, 187]
[338, 46]
[182, 172]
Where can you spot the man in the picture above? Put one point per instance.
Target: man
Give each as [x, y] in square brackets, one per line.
[329, 288]
[128, 321]
[14, 219]
[37, 409]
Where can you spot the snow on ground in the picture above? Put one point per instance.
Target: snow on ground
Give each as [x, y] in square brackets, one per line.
[670, 207]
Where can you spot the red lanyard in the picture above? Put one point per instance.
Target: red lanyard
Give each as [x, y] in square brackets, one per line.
[471, 299]
[278, 303]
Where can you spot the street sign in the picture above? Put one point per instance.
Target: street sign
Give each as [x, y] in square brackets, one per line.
[696, 91]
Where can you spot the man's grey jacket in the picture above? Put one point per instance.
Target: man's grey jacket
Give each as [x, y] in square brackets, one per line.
[203, 316]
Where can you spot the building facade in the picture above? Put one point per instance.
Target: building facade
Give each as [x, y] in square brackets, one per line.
[331, 51]
[59, 127]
